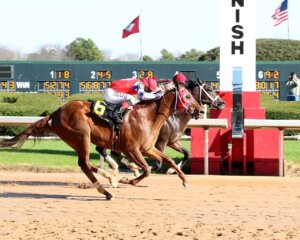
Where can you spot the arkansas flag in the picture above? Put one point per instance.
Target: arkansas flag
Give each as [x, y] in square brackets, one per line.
[132, 28]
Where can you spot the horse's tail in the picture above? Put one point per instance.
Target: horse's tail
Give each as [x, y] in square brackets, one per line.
[34, 129]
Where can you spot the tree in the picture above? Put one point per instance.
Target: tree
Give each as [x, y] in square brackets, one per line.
[7, 54]
[166, 55]
[211, 55]
[147, 58]
[192, 55]
[49, 52]
[266, 50]
[277, 50]
[84, 49]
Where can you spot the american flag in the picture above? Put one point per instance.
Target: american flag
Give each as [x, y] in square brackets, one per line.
[281, 13]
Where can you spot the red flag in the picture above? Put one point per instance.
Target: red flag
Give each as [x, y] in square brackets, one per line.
[132, 28]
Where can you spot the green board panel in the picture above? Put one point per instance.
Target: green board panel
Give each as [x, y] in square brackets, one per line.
[64, 78]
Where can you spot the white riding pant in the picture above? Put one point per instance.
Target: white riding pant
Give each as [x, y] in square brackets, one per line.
[112, 96]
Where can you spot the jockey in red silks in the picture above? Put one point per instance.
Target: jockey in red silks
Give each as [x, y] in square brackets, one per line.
[130, 91]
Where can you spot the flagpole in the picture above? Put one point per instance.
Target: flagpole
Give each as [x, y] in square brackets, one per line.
[141, 41]
[288, 22]
[141, 48]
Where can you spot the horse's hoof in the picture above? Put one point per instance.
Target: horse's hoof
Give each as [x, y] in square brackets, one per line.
[124, 180]
[109, 197]
[113, 182]
[185, 185]
[170, 171]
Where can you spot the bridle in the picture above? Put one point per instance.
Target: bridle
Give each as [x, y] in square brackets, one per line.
[177, 97]
[214, 101]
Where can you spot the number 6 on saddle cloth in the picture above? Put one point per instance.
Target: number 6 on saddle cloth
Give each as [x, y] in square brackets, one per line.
[106, 111]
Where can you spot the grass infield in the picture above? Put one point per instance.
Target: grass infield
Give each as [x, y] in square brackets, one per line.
[55, 155]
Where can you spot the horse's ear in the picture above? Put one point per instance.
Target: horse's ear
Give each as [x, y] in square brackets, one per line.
[199, 81]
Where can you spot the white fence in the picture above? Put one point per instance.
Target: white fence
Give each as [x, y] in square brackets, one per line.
[200, 123]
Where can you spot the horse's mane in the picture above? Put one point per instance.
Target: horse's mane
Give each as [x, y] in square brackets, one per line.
[143, 103]
[167, 86]
[163, 81]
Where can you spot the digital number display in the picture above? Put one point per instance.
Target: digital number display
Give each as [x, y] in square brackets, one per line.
[7, 86]
[266, 87]
[60, 74]
[101, 74]
[58, 88]
[141, 74]
[93, 87]
[145, 74]
[269, 74]
[269, 87]
[214, 85]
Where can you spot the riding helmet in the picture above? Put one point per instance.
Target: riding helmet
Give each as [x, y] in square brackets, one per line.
[180, 78]
[150, 83]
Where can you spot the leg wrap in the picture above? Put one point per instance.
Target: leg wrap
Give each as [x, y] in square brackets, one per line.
[104, 173]
[112, 162]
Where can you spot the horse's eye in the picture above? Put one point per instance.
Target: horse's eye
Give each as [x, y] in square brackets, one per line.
[188, 97]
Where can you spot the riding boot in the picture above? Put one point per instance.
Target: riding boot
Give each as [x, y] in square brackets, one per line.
[119, 111]
[117, 114]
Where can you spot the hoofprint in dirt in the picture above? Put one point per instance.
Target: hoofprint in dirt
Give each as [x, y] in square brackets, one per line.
[59, 206]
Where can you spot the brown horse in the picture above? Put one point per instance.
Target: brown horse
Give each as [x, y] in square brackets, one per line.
[173, 129]
[75, 124]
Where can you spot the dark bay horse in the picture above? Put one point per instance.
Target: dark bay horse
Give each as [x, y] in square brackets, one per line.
[75, 124]
[175, 126]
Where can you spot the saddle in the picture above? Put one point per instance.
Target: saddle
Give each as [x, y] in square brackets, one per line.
[112, 114]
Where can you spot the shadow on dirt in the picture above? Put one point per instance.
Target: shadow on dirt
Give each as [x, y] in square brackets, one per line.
[50, 196]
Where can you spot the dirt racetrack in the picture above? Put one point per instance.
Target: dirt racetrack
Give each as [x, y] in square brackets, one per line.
[62, 206]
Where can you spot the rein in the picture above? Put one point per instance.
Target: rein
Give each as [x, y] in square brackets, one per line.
[174, 110]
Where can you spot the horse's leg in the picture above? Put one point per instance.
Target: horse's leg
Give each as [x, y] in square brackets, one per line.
[112, 179]
[156, 154]
[83, 162]
[132, 166]
[178, 147]
[160, 145]
[137, 157]
[109, 159]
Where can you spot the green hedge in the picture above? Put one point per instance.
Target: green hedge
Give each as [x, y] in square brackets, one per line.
[33, 104]
[25, 104]
[281, 110]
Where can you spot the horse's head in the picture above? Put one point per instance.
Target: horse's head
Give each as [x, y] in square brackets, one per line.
[206, 95]
[188, 103]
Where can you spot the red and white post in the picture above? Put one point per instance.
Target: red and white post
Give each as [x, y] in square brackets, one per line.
[235, 150]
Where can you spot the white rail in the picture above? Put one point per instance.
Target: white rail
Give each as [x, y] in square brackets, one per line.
[27, 120]
[17, 121]
[200, 123]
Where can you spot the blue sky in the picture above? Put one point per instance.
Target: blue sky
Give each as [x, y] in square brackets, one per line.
[175, 25]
